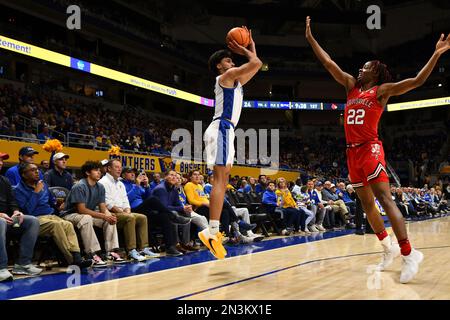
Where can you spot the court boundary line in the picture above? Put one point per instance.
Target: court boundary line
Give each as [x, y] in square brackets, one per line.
[178, 268]
[212, 261]
[290, 267]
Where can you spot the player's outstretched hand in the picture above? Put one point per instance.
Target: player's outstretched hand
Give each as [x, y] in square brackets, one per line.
[308, 33]
[443, 45]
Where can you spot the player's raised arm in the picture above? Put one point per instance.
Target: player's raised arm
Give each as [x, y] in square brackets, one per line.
[246, 71]
[340, 76]
[387, 90]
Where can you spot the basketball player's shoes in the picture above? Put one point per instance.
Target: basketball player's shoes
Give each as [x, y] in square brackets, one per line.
[410, 265]
[213, 243]
[389, 255]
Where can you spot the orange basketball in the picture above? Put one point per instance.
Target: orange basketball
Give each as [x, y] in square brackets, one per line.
[240, 35]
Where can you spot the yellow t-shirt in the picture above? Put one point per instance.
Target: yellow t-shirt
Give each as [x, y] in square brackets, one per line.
[195, 194]
[286, 198]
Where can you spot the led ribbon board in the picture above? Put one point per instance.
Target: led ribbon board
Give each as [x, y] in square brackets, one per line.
[67, 61]
[419, 104]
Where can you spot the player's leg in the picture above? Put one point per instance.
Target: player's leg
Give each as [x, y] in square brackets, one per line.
[218, 150]
[367, 199]
[221, 176]
[411, 258]
[391, 251]
[211, 236]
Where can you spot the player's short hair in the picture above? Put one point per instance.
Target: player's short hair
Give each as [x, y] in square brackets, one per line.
[215, 59]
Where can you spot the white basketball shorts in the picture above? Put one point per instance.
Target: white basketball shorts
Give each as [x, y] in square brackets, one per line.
[219, 143]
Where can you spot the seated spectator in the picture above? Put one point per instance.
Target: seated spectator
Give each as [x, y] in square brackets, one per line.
[12, 221]
[26, 155]
[270, 202]
[104, 163]
[59, 176]
[200, 203]
[329, 220]
[244, 185]
[262, 184]
[401, 202]
[28, 135]
[34, 198]
[81, 209]
[133, 224]
[45, 166]
[200, 221]
[44, 135]
[208, 185]
[242, 228]
[296, 188]
[141, 200]
[343, 194]
[202, 180]
[251, 186]
[316, 205]
[169, 196]
[287, 202]
[156, 181]
[304, 203]
[337, 204]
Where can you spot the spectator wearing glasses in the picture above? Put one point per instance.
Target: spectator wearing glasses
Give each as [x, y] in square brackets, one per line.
[34, 198]
[12, 221]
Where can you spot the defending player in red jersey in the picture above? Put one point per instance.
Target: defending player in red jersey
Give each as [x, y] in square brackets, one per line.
[367, 97]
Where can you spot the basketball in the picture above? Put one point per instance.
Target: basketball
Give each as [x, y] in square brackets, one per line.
[240, 35]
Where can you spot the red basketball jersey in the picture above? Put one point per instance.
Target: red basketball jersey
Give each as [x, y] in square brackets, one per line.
[362, 114]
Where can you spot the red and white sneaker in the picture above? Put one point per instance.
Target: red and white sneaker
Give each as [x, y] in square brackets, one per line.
[115, 258]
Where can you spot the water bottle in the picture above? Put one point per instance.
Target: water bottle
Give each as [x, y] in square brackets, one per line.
[16, 222]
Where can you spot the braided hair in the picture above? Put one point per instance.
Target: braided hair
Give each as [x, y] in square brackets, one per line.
[382, 71]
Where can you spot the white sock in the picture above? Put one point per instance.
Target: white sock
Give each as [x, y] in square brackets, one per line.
[214, 227]
[386, 243]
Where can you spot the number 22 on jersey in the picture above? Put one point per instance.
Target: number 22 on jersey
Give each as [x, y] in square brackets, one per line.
[356, 116]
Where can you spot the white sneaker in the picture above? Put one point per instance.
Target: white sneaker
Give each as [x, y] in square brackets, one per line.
[28, 270]
[306, 231]
[244, 239]
[136, 256]
[313, 228]
[410, 265]
[388, 256]
[5, 275]
[321, 228]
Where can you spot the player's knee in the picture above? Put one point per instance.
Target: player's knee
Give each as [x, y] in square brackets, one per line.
[385, 200]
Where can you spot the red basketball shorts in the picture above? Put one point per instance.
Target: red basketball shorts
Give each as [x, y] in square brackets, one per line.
[366, 164]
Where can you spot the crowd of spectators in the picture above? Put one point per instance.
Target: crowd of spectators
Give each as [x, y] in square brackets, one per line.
[37, 117]
[121, 199]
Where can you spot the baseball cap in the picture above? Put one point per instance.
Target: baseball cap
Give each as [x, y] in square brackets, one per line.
[59, 156]
[349, 186]
[318, 183]
[4, 156]
[104, 162]
[333, 185]
[128, 169]
[27, 150]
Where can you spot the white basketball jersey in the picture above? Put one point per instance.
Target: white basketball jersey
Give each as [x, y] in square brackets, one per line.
[228, 102]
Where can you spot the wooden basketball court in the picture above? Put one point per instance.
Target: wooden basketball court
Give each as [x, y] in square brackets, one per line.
[336, 268]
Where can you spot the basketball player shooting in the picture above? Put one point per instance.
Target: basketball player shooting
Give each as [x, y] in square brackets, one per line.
[219, 137]
[367, 97]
